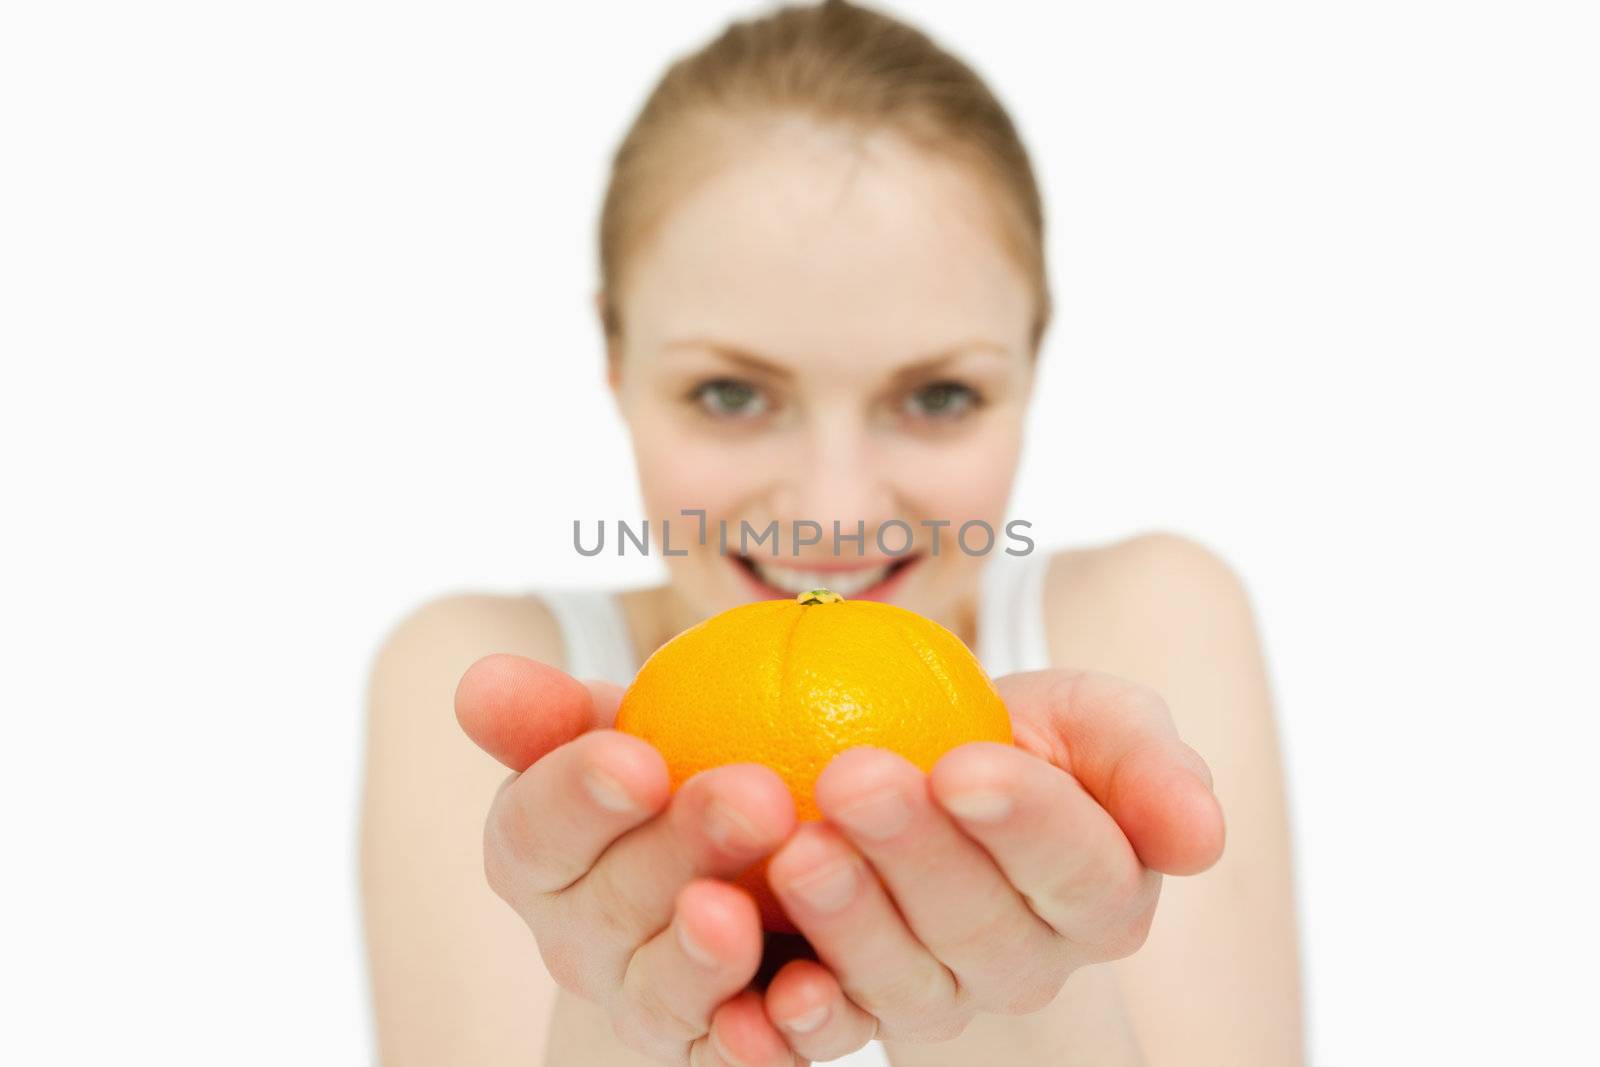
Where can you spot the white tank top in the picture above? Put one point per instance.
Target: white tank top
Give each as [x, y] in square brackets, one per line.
[1011, 638]
[1010, 622]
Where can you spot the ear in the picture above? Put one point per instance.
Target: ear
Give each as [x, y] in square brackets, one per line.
[613, 346]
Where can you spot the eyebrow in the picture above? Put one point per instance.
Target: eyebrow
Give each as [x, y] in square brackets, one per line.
[917, 368]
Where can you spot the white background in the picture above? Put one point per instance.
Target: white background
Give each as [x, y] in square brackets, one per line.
[294, 309]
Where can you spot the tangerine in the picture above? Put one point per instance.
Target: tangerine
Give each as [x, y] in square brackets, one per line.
[792, 683]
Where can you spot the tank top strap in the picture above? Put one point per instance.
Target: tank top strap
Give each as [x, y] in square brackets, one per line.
[594, 631]
[1011, 613]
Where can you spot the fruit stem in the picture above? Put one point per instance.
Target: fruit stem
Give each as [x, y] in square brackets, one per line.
[819, 596]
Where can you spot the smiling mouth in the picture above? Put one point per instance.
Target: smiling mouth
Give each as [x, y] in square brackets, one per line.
[846, 583]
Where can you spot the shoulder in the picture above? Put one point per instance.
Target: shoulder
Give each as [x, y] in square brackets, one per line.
[452, 625]
[1158, 608]
[1157, 572]
[413, 672]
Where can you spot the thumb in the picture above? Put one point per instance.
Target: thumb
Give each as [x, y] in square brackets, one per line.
[1117, 739]
[517, 709]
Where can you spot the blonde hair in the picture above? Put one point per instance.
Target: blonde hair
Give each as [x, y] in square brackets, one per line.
[834, 61]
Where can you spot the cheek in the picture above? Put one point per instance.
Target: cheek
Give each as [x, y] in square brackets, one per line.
[679, 469]
[969, 480]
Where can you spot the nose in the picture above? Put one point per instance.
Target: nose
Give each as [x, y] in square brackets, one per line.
[839, 477]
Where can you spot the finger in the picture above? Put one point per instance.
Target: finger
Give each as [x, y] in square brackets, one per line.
[1167, 809]
[1055, 843]
[607, 699]
[718, 823]
[555, 819]
[809, 1007]
[1118, 740]
[742, 1036]
[953, 897]
[517, 709]
[676, 979]
[834, 899]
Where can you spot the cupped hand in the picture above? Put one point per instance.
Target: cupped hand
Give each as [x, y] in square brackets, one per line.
[623, 885]
[982, 885]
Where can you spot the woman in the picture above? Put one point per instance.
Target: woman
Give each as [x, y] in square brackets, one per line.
[823, 293]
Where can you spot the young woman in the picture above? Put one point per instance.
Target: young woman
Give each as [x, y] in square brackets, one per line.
[823, 292]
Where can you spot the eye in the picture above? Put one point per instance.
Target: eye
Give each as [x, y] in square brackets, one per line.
[729, 398]
[941, 400]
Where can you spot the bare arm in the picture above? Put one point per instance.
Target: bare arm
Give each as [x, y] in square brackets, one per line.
[455, 976]
[1086, 1025]
[1218, 980]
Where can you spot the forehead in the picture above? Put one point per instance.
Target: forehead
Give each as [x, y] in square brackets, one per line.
[813, 240]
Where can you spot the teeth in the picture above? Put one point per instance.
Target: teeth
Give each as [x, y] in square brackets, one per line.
[845, 583]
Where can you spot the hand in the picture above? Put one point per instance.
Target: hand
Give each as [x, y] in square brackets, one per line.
[622, 886]
[981, 886]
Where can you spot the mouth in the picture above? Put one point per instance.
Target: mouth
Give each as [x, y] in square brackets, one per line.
[868, 582]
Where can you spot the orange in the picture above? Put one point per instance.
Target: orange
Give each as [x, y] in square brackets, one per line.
[792, 683]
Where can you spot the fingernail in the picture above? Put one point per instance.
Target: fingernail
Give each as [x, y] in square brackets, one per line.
[811, 1020]
[979, 805]
[729, 829]
[829, 889]
[692, 948]
[1201, 769]
[879, 816]
[722, 1051]
[607, 792]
